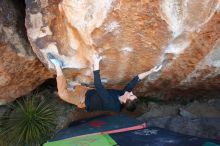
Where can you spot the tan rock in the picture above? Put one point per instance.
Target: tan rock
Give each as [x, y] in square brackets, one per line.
[132, 37]
[20, 70]
[19, 75]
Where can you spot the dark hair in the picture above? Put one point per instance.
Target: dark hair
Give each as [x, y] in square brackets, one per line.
[130, 105]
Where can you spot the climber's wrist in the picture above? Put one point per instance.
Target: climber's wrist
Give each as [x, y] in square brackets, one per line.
[96, 67]
[143, 75]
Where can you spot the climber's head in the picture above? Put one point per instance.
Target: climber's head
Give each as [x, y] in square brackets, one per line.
[129, 100]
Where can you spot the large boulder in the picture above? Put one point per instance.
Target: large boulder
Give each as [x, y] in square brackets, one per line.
[132, 36]
[20, 70]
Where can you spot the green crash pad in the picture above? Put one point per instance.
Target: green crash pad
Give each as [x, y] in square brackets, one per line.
[92, 140]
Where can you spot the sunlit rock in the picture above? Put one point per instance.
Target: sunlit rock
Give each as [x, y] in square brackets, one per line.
[132, 37]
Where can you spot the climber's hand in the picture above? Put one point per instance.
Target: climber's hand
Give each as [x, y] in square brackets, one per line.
[156, 68]
[96, 59]
[145, 74]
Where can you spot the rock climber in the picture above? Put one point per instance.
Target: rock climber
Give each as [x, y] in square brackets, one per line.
[98, 99]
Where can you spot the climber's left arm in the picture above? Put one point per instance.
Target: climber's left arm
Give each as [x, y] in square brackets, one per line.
[145, 74]
[129, 87]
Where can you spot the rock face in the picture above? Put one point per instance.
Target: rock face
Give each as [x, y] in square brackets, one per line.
[20, 70]
[132, 36]
[198, 118]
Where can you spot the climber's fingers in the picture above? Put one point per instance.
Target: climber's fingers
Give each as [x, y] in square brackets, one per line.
[99, 58]
[156, 68]
[96, 58]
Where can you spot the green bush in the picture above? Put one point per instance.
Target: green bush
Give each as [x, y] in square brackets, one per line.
[29, 122]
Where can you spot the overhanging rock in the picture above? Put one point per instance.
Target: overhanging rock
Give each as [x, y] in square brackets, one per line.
[132, 37]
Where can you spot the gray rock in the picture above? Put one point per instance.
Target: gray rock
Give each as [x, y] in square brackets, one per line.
[204, 108]
[199, 118]
[156, 110]
[201, 127]
[185, 113]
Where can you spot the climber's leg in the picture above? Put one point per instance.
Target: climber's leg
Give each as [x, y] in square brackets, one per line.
[63, 92]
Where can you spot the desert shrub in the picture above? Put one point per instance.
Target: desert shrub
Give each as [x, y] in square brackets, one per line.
[29, 122]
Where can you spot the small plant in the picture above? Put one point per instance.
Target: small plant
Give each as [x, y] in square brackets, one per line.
[29, 122]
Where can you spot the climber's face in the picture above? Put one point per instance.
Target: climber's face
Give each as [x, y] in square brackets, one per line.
[127, 95]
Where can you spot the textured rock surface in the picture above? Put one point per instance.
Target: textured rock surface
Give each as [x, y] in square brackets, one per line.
[20, 70]
[198, 118]
[201, 127]
[132, 36]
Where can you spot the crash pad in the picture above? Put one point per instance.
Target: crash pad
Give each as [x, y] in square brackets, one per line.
[153, 136]
[99, 125]
[92, 140]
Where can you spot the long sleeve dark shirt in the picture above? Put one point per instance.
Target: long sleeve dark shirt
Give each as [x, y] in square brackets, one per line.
[101, 99]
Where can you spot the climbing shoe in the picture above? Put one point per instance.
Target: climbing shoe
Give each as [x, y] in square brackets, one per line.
[54, 60]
